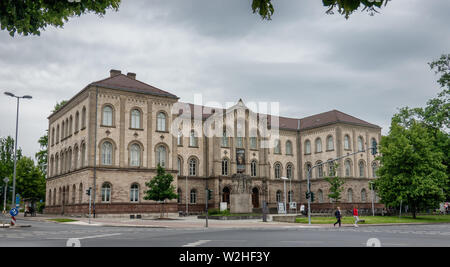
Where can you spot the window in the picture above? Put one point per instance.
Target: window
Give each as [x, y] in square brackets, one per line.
[279, 196]
[225, 167]
[57, 133]
[374, 169]
[179, 138]
[134, 193]
[277, 149]
[80, 194]
[135, 119]
[53, 136]
[347, 168]
[330, 143]
[277, 169]
[289, 171]
[179, 165]
[192, 167]
[361, 168]
[331, 169]
[319, 170]
[318, 145]
[290, 196]
[288, 148]
[240, 142]
[62, 130]
[346, 142]
[83, 118]
[360, 144]
[253, 168]
[161, 122]
[350, 195]
[193, 196]
[70, 125]
[308, 147]
[308, 170]
[253, 143]
[69, 161]
[52, 160]
[74, 190]
[135, 155]
[56, 164]
[107, 116]
[106, 192]
[83, 154]
[225, 139]
[77, 121]
[320, 196]
[179, 198]
[107, 153]
[193, 140]
[161, 156]
[363, 195]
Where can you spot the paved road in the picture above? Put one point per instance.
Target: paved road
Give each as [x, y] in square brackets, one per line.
[49, 234]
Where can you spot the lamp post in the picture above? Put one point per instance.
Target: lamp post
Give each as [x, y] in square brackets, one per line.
[15, 140]
[284, 181]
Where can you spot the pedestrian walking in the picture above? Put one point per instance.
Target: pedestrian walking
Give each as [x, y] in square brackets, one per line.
[355, 215]
[338, 215]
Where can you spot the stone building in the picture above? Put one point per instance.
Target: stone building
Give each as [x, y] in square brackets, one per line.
[112, 135]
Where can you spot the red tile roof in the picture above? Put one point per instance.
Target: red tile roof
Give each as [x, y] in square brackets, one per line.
[123, 82]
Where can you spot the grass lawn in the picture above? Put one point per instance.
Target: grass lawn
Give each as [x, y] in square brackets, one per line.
[379, 219]
[62, 220]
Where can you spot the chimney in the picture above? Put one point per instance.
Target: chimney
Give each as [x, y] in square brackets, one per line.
[114, 72]
[131, 75]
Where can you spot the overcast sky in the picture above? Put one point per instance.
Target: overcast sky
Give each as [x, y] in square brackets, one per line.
[367, 66]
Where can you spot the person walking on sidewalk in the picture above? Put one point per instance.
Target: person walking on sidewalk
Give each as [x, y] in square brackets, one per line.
[355, 215]
[338, 217]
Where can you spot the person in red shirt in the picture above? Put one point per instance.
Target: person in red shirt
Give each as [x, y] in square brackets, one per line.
[355, 215]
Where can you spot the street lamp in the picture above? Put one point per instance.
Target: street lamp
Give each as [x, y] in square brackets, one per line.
[284, 181]
[15, 140]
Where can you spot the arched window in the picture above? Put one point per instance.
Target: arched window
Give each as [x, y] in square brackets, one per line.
[331, 169]
[225, 139]
[134, 193]
[180, 138]
[290, 196]
[288, 148]
[278, 196]
[135, 155]
[374, 169]
[77, 121]
[74, 194]
[69, 161]
[348, 169]
[350, 195]
[363, 195]
[318, 145]
[70, 125]
[361, 168]
[80, 193]
[75, 157]
[253, 143]
[107, 116]
[62, 130]
[319, 170]
[107, 153]
[225, 167]
[53, 136]
[330, 143]
[320, 196]
[360, 144]
[161, 154]
[193, 196]
[253, 165]
[192, 167]
[179, 198]
[347, 142]
[277, 149]
[277, 169]
[307, 170]
[180, 165]
[50, 197]
[289, 171]
[161, 122]
[57, 164]
[83, 155]
[106, 192]
[51, 166]
[307, 147]
[135, 119]
[83, 118]
[57, 133]
[193, 142]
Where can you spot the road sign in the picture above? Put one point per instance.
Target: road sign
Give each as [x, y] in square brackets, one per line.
[14, 212]
[281, 208]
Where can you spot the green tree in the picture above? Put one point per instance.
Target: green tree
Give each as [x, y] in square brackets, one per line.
[336, 185]
[161, 188]
[411, 168]
[32, 16]
[42, 155]
[7, 157]
[30, 181]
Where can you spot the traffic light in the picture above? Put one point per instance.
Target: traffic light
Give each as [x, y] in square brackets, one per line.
[88, 192]
[307, 195]
[374, 147]
[209, 194]
[312, 197]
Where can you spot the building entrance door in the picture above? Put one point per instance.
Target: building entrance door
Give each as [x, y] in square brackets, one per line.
[226, 195]
[255, 197]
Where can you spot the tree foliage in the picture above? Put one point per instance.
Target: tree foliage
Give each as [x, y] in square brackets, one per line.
[160, 187]
[32, 16]
[7, 157]
[266, 9]
[30, 181]
[336, 185]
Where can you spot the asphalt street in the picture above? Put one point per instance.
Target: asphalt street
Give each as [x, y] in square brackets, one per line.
[49, 234]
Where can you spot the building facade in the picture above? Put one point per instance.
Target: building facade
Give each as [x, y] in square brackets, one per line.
[112, 135]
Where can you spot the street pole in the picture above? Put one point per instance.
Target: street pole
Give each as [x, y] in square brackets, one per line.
[95, 147]
[284, 182]
[90, 201]
[206, 207]
[373, 196]
[187, 205]
[6, 180]
[309, 194]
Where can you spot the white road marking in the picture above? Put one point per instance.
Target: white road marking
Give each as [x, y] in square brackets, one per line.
[198, 243]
